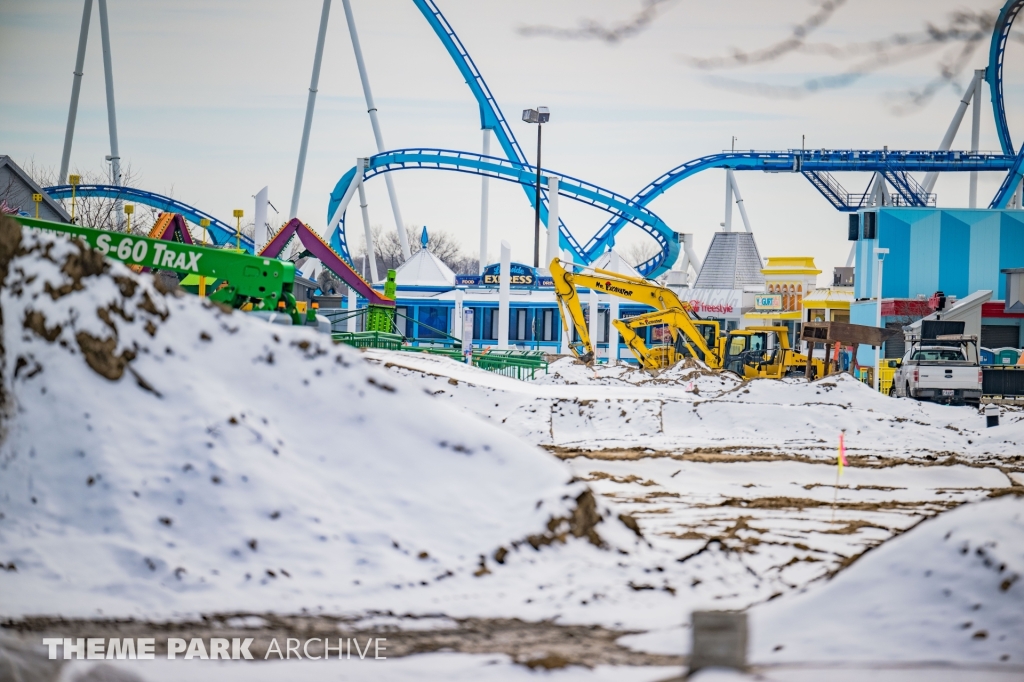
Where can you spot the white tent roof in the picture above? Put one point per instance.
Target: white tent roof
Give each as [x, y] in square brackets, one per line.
[623, 268]
[424, 269]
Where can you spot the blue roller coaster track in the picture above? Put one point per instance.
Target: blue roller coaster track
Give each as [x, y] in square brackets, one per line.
[896, 165]
[994, 72]
[220, 232]
[510, 171]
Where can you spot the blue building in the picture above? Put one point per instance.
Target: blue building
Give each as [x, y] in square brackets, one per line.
[955, 251]
[428, 293]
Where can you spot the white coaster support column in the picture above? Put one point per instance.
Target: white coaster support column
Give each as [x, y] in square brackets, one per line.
[552, 251]
[108, 75]
[615, 265]
[259, 235]
[979, 75]
[353, 303]
[76, 89]
[691, 255]
[456, 326]
[307, 126]
[504, 291]
[954, 125]
[371, 109]
[339, 212]
[727, 225]
[485, 191]
[734, 186]
[371, 249]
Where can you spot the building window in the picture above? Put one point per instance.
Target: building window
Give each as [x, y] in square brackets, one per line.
[518, 325]
[602, 326]
[493, 313]
[433, 322]
[548, 326]
[817, 315]
[400, 320]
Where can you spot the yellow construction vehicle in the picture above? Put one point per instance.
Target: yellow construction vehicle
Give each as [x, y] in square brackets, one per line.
[752, 352]
[692, 338]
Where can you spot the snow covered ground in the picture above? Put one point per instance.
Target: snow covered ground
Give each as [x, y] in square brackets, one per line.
[164, 459]
[743, 474]
[691, 410]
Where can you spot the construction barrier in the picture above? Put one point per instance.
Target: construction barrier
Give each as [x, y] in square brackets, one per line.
[1002, 382]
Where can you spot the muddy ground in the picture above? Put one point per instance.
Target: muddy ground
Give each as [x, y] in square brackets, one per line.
[536, 645]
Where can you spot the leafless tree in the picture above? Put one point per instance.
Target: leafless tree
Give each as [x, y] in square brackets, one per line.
[388, 250]
[99, 212]
[640, 252]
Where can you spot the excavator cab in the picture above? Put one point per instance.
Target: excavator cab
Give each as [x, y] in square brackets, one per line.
[746, 351]
[683, 346]
[763, 352]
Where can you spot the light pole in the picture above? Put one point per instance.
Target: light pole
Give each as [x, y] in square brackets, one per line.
[238, 213]
[204, 223]
[540, 116]
[880, 255]
[73, 180]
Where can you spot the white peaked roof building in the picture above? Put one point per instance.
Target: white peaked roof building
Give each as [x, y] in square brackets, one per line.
[608, 261]
[424, 269]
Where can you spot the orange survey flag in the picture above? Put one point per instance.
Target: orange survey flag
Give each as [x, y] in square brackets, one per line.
[842, 454]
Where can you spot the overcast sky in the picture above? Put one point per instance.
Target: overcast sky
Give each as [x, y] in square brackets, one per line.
[211, 96]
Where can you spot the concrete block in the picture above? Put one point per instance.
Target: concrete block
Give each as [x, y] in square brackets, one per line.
[719, 640]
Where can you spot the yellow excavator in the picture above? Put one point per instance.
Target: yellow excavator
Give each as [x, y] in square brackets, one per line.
[750, 353]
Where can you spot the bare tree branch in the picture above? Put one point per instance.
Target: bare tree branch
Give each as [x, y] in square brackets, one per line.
[954, 43]
[957, 41]
[796, 40]
[589, 29]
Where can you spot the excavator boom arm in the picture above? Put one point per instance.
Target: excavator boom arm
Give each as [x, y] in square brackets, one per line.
[570, 309]
[634, 289]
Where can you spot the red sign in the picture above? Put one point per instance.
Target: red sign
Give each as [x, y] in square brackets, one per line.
[699, 307]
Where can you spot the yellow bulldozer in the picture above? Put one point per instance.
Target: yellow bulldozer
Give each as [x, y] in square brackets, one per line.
[752, 352]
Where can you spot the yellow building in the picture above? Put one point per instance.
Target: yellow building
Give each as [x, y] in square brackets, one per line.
[829, 304]
[788, 281]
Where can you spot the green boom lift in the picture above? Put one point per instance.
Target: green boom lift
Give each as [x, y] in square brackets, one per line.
[264, 282]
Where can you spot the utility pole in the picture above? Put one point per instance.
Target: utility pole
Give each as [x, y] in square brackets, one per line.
[540, 116]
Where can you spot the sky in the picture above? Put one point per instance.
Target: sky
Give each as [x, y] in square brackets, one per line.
[211, 96]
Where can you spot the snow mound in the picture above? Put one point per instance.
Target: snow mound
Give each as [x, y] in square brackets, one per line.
[164, 457]
[688, 375]
[950, 589]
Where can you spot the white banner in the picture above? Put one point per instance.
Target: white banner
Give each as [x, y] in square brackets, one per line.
[716, 302]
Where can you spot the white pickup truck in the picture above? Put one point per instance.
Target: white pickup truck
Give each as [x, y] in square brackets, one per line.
[940, 371]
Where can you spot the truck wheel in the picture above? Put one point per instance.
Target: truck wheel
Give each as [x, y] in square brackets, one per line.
[909, 394]
[892, 391]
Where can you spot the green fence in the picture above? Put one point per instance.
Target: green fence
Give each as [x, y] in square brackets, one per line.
[522, 365]
[370, 339]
